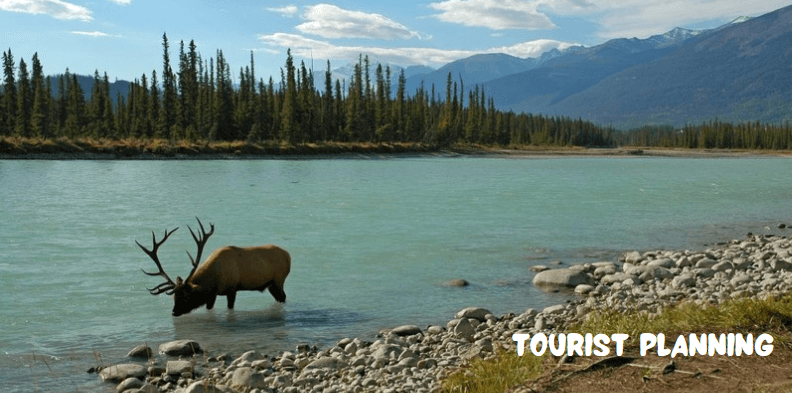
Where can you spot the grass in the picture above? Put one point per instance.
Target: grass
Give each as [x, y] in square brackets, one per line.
[496, 374]
[506, 369]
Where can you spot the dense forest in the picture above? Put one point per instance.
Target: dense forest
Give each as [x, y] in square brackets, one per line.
[201, 101]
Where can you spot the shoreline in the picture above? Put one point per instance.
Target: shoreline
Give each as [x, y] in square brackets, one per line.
[155, 149]
[410, 358]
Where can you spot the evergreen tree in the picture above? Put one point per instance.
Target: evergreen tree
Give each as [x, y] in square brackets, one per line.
[24, 100]
[42, 98]
[289, 120]
[8, 125]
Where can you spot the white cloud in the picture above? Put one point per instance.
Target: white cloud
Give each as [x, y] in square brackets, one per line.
[286, 11]
[330, 21]
[531, 48]
[493, 14]
[121, 2]
[93, 33]
[55, 8]
[307, 47]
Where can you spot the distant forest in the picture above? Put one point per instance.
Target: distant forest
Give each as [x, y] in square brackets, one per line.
[201, 102]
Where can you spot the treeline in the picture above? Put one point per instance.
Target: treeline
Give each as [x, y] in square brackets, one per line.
[201, 101]
[711, 135]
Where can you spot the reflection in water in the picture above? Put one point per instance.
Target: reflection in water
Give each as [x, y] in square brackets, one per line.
[273, 329]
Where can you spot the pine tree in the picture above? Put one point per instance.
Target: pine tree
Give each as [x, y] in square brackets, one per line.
[24, 100]
[41, 101]
[8, 125]
[289, 120]
[167, 116]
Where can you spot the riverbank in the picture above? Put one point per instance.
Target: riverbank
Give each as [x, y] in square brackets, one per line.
[159, 149]
[641, 286]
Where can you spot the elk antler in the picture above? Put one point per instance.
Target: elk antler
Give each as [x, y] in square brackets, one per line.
[200, 240]
[168, 285]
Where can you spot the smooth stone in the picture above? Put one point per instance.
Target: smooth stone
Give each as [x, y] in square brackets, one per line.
[722, 266]
[120, 372]
[326, 363]
[464, 329]
[633, 257]
[538, 268]
[477, 313]
[247, 377]
[180, 348]
[706, 263]
[129, 383]
[683, 280]
[584, 289]
[456, 283]
[557, 309]
[563, 278]
[406, 330]
[177, 367]
[615, 277]
[141, 351]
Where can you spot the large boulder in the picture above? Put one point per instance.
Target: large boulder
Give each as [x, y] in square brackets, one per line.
[562, 278]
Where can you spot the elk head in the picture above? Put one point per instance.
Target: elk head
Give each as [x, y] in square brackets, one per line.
[184, 291]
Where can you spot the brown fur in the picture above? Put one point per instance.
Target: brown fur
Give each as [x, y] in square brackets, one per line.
[230, 269]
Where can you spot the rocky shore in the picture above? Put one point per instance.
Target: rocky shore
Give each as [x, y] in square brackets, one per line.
[413, 359]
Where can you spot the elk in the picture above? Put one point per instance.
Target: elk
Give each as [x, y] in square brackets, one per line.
[227, 270]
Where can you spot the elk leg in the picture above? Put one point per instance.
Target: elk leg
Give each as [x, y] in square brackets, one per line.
[231, 296]
[210, 303]
[277, 293]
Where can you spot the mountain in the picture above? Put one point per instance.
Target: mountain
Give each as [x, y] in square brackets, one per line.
[478, 69]
[86, 83]
[740, 72]
[539, 89]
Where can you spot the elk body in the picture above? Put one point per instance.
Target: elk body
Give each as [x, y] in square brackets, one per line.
[227, 270]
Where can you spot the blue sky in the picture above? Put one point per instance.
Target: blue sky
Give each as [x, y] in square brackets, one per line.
[124, 37]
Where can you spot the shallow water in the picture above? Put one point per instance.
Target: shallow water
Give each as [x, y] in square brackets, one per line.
[370, 242]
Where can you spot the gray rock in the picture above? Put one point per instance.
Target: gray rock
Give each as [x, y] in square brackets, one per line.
[562, 278]
[538, 268]
[633, 257]
[129, 383]
[584, 289]
[435, 329]
[120, 372]
[706, 263]
[245, 377]
[180, 348]
[616, 277]
[406, 330]
[464, 329]
[326, 363]
[177, 367]
[780, 264]
[557, 309]
[141, 352]
[604, 270]
[149, 388]
[477, 313]
[456, 283]
[387, 351]
[704, 272]
[722, 266]
[741, 278]
[663, 262]
[683, 280]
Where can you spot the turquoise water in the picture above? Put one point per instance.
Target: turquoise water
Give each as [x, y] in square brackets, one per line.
[370, 241]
